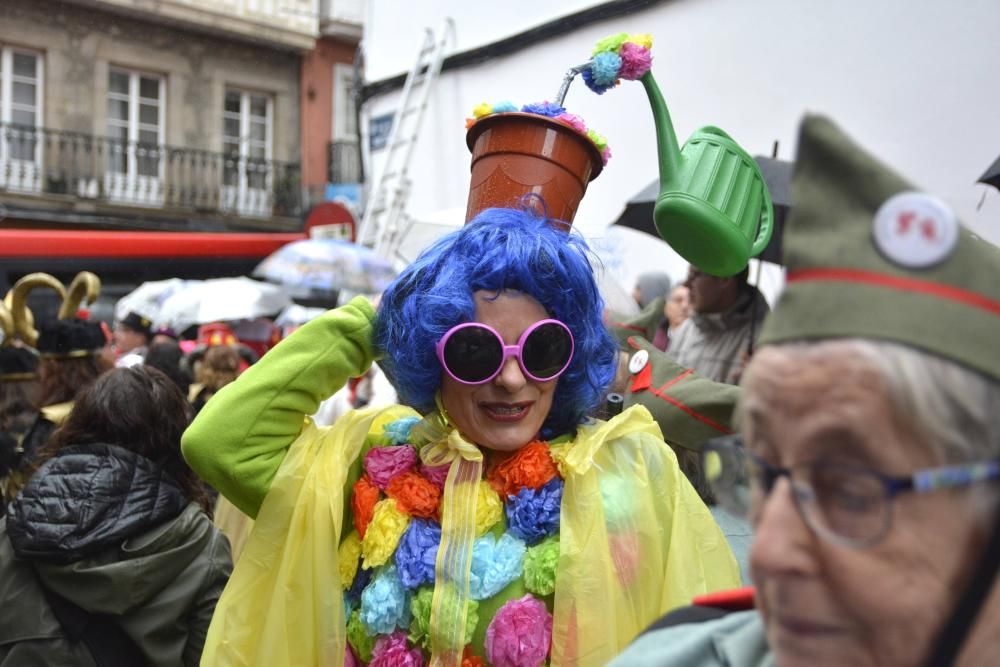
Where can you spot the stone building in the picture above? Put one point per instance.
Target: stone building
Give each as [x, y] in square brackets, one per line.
[175, 114]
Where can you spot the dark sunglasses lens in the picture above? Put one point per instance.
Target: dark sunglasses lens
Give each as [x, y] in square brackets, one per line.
[547, 350]
[472, 354]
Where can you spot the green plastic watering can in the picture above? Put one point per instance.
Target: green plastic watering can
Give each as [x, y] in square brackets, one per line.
[714, 208]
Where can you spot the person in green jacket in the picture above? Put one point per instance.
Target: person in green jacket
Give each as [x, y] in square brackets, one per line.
[490, 518]
[108, 554]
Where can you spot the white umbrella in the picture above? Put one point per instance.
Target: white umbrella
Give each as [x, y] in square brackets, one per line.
[222, 300]
[147, 299]
[296, 315]
[326, 265]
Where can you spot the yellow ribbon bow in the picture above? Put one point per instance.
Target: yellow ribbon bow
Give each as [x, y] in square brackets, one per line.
[445, 445]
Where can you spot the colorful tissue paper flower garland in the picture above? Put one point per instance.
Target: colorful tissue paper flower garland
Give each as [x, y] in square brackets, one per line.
[620, 56]
[549, 110]
[387, 564]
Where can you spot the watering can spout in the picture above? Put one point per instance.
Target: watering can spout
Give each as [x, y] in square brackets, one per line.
[668, 148]
[713, 207]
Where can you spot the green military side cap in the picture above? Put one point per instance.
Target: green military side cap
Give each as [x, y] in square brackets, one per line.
[870, 256]
[643, 324]
[689, 408]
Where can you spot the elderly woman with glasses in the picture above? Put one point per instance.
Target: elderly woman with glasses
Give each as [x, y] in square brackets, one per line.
[869, 458]
[490, 518]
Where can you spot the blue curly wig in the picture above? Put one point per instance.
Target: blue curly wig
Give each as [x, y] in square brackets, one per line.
[499, 249]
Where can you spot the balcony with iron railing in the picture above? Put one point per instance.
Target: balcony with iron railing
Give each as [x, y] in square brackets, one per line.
[47, 163]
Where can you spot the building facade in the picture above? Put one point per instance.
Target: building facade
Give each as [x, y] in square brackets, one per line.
[171, 115]
[331, 157]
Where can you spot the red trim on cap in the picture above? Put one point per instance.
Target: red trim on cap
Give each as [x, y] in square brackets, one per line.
[948, 292]
[737, 599]
[691, 411]
[677, 379]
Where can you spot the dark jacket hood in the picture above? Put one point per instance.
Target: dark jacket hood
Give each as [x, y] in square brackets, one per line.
[87, 499]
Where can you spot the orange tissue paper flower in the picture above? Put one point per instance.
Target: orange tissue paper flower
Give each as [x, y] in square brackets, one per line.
[470, 659]
[529, 467]
[415, 494]
[363, 499]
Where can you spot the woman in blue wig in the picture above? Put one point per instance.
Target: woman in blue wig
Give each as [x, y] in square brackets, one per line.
[487, 520]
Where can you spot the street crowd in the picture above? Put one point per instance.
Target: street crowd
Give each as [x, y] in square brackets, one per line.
[488, 467]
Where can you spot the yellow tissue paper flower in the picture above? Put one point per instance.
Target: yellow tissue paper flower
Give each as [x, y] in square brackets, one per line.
[489, 508]
[382, 536]
[483, 109]
[349, 552]
[644, 39]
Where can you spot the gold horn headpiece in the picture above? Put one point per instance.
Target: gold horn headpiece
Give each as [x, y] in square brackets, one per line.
[7, 324]
[85, 284]
[17, 302]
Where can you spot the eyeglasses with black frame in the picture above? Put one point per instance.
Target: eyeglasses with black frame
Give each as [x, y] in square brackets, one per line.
[845, 504]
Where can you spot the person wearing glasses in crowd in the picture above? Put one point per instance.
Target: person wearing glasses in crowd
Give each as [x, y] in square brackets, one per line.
[726, 314]
[869, 456]
[489, 517]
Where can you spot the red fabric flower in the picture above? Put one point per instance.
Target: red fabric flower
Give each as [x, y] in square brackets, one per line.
[415, 494]
[529, 467]
[363, 499]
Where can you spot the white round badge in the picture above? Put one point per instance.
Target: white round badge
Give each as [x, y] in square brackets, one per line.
[638, 361]
[915, 230]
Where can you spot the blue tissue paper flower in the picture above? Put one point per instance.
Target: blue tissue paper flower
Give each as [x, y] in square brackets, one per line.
[417, 553]
[534, 515]
[605, 68]
[544, 109]
[495, 563]
[361, 581]
[385, 604]
[503, 107]
[588, 78]
[398, 432]
[348, 606]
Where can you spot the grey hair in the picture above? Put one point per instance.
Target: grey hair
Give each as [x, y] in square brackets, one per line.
[954, 409]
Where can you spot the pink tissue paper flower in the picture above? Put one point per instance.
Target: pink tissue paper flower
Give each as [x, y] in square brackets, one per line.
[573, 121]
[636, 61]
[384, 463]
[391, 651]
[520, 634]
[350, 660]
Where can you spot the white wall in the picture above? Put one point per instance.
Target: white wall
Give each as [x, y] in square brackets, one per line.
[912, 80]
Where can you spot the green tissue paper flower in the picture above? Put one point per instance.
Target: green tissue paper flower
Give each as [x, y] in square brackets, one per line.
[612, 43]
[540, 566]
[420, 606]
[359, 638]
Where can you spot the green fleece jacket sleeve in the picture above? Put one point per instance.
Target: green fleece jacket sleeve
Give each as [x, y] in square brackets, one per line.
[240, 437]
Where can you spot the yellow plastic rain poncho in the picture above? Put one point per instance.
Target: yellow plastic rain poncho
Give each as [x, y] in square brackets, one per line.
[635, 541]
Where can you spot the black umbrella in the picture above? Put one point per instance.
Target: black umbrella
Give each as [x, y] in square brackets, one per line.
[638, 213]
[990, 177]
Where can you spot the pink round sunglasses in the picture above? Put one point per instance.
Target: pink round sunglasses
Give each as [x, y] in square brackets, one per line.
[475, 353]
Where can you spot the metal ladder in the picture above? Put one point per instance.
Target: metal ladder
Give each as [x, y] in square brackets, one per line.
[385, 221]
